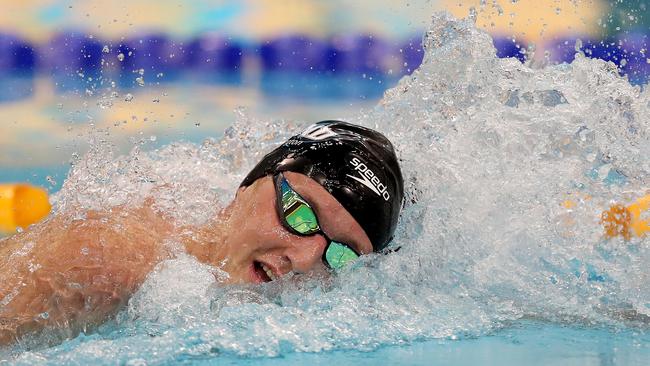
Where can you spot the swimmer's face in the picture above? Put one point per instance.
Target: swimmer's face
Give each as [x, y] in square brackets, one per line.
[258, 248]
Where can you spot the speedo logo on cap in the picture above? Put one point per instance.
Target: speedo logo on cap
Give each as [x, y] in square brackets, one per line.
[318, 132]
[368, 178]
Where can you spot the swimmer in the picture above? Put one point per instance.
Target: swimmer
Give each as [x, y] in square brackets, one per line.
[315, 203]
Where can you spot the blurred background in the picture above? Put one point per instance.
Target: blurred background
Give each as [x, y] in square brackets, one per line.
[147, 72]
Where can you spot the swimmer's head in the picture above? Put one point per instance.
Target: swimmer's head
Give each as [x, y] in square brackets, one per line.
[356, 165]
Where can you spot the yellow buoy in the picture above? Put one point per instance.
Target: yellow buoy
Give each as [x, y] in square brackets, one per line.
[21, 205]
[627, 221]
[639, 226]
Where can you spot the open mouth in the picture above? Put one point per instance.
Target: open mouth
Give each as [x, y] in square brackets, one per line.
[263, 272]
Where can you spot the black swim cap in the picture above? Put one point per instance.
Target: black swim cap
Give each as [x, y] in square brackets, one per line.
[355, 164]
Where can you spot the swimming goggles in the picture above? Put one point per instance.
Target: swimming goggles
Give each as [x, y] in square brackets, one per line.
[299, 218]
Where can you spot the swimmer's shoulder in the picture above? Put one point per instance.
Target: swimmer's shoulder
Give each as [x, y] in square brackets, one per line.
[121, 236]
[99, 250]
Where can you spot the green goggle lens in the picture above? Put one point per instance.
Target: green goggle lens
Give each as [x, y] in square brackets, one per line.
[339, 255]
[300, 217]
[297, 212]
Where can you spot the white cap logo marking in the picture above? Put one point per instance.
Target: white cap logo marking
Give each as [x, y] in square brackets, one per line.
[368, 178]
[318, 132]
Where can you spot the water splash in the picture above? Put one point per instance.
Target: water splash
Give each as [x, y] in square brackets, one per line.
[490, 150]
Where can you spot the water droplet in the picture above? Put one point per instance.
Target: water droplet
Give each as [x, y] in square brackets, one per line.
[141, 71]
[152, 138]
[84, 251]
[139, 80]
[105, 103]
[128, 97]
[472, 14]
[197, 124]
[106, 49]
[44, 315]
[156, 100]
[120, 57]
[33, 267]
[50, 180]
[19, 229]
[159, 75]
[578, 45]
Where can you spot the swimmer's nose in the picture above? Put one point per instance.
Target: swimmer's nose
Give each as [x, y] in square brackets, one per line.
[306, 252]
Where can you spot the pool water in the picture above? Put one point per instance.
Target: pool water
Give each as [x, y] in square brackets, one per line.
[494, 268]
[527, 343]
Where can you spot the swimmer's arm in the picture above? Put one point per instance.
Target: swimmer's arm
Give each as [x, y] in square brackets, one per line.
[71, 275]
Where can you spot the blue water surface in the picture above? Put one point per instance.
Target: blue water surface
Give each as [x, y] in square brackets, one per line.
[524, 343]
[527, 343]
[37, 175]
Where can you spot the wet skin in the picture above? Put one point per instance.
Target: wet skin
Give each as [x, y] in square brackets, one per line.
[251, 234]
[73, 274]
